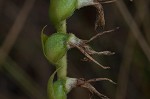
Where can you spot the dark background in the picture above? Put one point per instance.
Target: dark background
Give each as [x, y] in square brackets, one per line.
[24, 71]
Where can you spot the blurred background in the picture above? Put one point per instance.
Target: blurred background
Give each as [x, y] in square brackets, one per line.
[24, 71]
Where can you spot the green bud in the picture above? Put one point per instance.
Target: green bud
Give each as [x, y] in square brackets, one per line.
[55, 47]
[59, 90]
[61, 9]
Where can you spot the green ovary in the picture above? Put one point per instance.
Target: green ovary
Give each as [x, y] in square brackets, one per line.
[61, 9]
[55, 47]
[59, 90]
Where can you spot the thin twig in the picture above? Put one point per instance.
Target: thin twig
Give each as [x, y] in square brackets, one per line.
[22, 79]
[15, 29]
[127, 56]
[125, 68]
[134, 28]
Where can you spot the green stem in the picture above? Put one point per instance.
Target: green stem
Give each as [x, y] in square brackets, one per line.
[62, 73]
[57, 90]
[61, 27]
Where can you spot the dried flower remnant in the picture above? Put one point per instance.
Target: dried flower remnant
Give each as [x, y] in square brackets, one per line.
[106, 1]
[100, 20]
[86, 84]
[87, 50]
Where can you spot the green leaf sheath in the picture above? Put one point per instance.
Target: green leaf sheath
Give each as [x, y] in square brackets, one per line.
[56, 90]
[50, 90]
[44, 37]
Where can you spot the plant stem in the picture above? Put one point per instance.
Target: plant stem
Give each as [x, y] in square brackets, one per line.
[62, 73]
[61, 27]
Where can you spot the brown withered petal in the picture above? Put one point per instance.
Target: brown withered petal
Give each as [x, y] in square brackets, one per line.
[106, 1]
[85, 84]
[100, 20]
[82, 49]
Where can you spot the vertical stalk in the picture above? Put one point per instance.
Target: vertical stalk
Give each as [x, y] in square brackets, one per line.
[56, 91]
[62, 72]
[61, 27]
